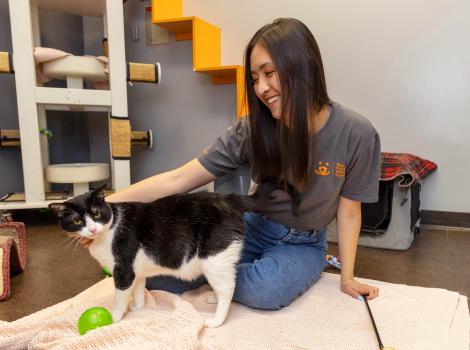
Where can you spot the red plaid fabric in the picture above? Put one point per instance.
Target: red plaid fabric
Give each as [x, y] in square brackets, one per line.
[408, 167]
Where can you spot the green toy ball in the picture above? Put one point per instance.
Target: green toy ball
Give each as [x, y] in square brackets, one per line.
[107, 272]
[93, 318]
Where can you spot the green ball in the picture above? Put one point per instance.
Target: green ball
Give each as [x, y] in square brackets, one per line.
[107, 272]
[93, 318]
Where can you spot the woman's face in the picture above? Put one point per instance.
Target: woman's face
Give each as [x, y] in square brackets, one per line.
[265, 80]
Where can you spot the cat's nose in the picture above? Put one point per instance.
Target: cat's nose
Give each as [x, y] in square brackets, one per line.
[92, 229]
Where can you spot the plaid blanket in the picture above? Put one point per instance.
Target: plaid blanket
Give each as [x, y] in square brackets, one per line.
[407, 167]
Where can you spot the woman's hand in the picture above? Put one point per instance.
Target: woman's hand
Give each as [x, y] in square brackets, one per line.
[355, 289]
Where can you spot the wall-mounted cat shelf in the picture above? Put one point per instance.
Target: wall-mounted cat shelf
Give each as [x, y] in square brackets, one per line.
[206, 46]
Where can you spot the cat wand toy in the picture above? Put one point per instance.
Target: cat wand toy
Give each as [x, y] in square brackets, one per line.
[381, 346]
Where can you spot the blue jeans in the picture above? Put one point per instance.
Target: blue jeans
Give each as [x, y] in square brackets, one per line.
[278, 264]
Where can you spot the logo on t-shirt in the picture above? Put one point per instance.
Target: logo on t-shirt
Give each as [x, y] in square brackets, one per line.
[330, 169]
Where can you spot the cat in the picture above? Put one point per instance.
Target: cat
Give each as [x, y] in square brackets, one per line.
[181, 235]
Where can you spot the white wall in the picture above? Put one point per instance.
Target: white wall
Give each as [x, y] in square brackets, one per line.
[405, 65]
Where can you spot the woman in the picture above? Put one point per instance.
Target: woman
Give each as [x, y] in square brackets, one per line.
[295, 135]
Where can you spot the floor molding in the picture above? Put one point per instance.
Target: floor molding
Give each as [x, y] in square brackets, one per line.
[445, 218]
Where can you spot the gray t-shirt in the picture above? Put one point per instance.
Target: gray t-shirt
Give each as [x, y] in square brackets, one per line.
[346, 163]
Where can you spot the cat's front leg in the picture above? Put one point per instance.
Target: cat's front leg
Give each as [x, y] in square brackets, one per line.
[124, 280]
[121, 302]
[139, 295]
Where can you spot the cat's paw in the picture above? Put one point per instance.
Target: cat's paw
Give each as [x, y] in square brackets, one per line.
[213, 322]
[117, 315]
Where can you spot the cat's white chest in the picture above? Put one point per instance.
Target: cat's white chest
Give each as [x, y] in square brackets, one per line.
[101, 249]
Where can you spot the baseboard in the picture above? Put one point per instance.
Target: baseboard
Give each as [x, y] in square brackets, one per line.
[445, 218]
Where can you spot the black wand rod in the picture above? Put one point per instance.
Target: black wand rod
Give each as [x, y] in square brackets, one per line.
[381, 346]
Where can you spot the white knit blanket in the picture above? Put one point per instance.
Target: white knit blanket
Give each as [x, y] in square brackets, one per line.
[408, 318]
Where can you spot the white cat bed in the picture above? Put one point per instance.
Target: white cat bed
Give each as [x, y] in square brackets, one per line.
[56, 64]
[76, 69]
[323, 318]
[87, 68]
[79, 174]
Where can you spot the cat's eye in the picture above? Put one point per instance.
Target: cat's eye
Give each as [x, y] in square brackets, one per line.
[96, 215]
[77, 221]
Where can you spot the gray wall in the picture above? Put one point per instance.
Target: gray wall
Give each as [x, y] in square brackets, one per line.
[11, 173]
[186, 112]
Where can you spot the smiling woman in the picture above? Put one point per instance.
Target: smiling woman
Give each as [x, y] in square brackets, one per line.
[286, 74]
[323, 157]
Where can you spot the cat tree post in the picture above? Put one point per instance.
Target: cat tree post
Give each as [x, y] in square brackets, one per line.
[114, 31]
[22, 16]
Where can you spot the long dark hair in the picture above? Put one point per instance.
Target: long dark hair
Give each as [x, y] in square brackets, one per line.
[280, 149]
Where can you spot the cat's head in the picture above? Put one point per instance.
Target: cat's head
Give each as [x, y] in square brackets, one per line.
[86, 215]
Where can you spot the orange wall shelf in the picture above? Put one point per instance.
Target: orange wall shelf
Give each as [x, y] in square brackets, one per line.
[168, 14]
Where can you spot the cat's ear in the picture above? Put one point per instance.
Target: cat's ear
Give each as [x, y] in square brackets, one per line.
[99, 192]
[57, 209]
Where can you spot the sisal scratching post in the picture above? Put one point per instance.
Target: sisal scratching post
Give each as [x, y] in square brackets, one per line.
[120, 138]
[6, 62]
[12, 254]
[143, 73]
[9, 138]
[142, 138]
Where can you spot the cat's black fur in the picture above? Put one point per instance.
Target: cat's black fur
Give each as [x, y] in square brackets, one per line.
[169, 229]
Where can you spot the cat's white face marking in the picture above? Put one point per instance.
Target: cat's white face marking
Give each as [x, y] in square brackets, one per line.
[93, 228]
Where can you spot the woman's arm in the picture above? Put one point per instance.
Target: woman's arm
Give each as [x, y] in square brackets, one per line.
[349, 225]
[185, 178]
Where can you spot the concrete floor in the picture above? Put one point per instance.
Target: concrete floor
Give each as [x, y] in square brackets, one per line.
[58, 270]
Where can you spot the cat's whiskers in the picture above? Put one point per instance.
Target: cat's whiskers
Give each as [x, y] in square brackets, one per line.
[65, 242]
[74, 237]
[77, 239]
[71, 238]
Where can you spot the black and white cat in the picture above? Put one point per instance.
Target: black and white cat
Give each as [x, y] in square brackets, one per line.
[182, 235]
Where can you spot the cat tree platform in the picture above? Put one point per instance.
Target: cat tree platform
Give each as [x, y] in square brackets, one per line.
[76, 68]
[78, 174]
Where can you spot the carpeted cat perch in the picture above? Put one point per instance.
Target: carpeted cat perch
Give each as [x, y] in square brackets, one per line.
[323, 318]
[12, 254]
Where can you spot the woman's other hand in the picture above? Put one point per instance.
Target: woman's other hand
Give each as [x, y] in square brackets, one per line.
[356, 289]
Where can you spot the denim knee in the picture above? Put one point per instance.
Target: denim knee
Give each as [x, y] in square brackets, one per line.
[267, 297]
[273, 286]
